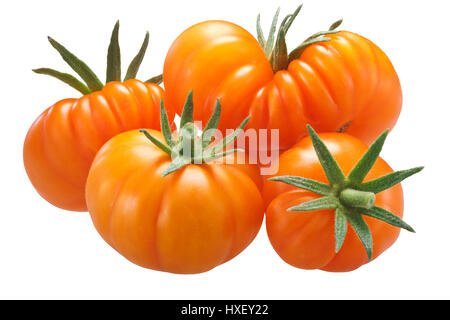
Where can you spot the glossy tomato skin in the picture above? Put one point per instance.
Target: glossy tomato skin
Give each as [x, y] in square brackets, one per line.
[63, 140]
[345, 84]
[306, 240]
[187, 222]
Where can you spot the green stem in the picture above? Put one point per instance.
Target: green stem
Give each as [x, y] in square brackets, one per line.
[189, 147]
[356, 198]
[91, 81]
[276, 51]
[350, 196]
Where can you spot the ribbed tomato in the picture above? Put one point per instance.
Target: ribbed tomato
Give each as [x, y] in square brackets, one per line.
[168, 210]
[358, 189]
[341, 82]
[63, 140]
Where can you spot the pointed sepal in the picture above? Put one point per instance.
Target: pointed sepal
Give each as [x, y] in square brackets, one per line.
[316, 204]
[220, 146]
[362, 230]
[176, 164]
[113, 67]
[336, 24]
[386, 216]
[271, 38]
[315, 38]
[366, 163]
[304, 183]
[81, 68]
[137, 60]
[66, 78]
[188, 110]
[156, 79]
[279, 56]
[292, 18]
[165, 125]
[157, 142]
[211, 127]
[297, 52]
[340, 227]
[260, 32]
[329, 164]
[389, 180]
[212, 157]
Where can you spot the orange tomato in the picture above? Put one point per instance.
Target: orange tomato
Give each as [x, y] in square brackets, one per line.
[344, 84]
[62, 142]
[307, 239]
[190, 221]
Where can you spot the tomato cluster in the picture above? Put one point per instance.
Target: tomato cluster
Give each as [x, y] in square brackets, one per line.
[182, 201]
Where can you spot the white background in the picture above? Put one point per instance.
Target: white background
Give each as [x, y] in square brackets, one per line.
[49, 253]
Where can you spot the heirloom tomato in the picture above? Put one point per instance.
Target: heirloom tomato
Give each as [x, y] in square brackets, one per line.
[335, 81]
[179, 206]
[63, 140]
[342, 183]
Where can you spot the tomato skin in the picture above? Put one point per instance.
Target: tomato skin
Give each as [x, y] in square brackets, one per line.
[63, 140]
[215, 59]
[306, 240]
[190, 221]
[347, 83]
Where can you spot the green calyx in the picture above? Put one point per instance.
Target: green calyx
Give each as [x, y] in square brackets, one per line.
[276, 49]
[190, 146]
[350, 197]
[91, 82]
